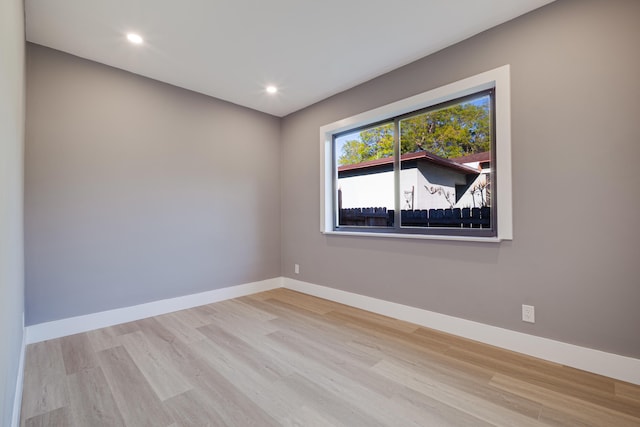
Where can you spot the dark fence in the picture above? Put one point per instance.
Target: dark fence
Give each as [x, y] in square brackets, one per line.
[452, 218]
[372, 217]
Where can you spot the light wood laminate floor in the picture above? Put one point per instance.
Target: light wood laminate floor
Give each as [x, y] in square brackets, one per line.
[284, 358]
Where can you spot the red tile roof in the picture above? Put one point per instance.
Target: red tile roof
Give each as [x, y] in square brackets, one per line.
[419, 155]
[485, 156]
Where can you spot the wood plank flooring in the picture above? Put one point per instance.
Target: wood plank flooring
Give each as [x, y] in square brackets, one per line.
[281, 358]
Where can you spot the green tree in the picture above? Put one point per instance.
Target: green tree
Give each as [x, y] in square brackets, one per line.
[450, 132]
[456, 131]
[373, 143]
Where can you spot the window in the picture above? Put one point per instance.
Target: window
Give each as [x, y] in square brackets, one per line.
[436, 165]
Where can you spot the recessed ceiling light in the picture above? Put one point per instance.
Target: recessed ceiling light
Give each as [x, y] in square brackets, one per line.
[134, 38]
[272, 89]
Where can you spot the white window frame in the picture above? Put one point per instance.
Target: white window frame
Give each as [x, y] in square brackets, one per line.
[497, 78]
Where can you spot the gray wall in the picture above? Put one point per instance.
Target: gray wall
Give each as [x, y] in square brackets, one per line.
[11, 184]
[138, 191]
[575, 74]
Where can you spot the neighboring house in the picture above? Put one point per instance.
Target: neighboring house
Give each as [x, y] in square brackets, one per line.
[427, 181]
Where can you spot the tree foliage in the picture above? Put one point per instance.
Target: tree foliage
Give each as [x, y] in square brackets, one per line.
[374, 143]
[455, 131]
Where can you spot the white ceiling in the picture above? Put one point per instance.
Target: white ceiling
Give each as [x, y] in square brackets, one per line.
[231, 49]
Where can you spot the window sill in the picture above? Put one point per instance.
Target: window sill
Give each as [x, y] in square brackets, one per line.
[416, 236]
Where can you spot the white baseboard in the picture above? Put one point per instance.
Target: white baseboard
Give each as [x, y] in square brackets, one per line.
[608, 364]
[89, 322]
[17, 398]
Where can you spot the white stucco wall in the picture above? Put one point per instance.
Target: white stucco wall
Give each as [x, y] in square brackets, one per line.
[367, 191]
[436, 177]
[376, 189]
[467, 200]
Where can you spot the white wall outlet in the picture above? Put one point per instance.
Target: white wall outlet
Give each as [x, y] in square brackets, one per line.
[528, 313]
[296, 268]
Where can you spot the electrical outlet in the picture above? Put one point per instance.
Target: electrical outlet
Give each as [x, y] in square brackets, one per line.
[528, 313]
[296, 268]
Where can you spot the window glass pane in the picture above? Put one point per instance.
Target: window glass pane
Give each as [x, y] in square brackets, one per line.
[365, 178]
[446, 164]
